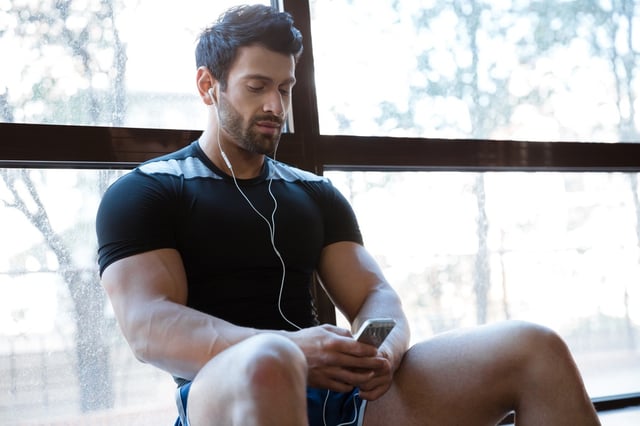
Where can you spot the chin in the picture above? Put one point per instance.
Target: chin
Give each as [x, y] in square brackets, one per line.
[270, 148]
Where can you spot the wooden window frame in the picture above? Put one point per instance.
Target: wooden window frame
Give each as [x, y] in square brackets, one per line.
[95, 147]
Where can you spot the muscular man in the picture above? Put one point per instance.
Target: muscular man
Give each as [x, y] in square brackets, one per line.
[207, 255]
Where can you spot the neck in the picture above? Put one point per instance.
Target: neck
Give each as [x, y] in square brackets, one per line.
[246, 165]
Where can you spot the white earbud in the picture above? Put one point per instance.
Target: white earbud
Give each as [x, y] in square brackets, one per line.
[224, 155]
[226, 160]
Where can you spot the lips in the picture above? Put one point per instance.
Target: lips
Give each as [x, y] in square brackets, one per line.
[269, 126]
[268, 123]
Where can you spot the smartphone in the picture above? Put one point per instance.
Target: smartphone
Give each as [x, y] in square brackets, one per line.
[374, 331]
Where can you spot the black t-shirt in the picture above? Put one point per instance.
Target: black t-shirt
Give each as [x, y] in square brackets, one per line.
[183, 201]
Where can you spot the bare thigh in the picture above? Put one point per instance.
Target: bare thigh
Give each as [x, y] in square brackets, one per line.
[249, 381]
[465, 377]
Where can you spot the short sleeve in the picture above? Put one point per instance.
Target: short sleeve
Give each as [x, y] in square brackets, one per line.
[136, 214]
[341, 223]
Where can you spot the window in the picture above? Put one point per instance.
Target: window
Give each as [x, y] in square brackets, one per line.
[412, 105]
[96, 63]
[559, 249]
[62, 356]
[533, 71]
[106, 63]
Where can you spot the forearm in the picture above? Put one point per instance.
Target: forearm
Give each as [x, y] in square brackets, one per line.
[178, 339]
[385, 303]
[148, 293]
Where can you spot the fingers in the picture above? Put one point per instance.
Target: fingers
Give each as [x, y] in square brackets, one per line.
[375, 393]
[343, 373]
[375, 379]
[347, 345]
[379, 383]
[340, 379]
[338, 362]
[375, 388]
[344, 368]
[336, 330]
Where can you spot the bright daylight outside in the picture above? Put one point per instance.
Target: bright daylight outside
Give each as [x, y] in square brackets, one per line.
[558, 248]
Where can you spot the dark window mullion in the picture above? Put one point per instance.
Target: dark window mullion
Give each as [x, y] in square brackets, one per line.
[386, 153]
[304, 101]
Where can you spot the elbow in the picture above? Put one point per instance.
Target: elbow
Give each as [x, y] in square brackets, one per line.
[140, 349]
[136, 329]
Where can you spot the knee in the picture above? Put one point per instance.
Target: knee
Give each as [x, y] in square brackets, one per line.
[533, 338]
[539, 348]
[274, 361]
[241, 380]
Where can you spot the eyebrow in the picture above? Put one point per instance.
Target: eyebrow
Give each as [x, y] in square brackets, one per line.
[291, 80]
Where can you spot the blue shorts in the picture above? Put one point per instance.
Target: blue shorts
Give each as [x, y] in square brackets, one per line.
[324, 408]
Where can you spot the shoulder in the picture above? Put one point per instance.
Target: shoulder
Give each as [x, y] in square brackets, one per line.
[154, 184]
[164, 172]
[317, 187]
[188, 163]
[288, 173]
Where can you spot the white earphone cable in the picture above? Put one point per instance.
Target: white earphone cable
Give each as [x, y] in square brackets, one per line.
[272, 235]
[271, 224]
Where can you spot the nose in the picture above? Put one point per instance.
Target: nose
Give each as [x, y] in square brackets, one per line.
[275, 103]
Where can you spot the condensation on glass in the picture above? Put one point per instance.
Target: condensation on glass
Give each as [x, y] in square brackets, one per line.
[461, 248]
[483, 69]
[105, 63]
[559, 249]
[63, 359]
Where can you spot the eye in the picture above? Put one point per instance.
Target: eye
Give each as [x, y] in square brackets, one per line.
[285, 91]
[255, 88]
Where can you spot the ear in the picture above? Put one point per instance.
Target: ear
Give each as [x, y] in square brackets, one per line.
[207, 86]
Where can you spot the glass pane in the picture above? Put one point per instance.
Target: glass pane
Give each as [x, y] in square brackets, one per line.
[62, 357]
[96, 62]
[558, 249]
[543, 70]
[461, 249]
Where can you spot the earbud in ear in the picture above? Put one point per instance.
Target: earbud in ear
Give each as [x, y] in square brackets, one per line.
[210, 91]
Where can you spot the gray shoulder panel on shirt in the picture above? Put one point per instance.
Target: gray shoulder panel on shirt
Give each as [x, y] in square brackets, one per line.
[288, 173]
[188, 167]
[192, 167]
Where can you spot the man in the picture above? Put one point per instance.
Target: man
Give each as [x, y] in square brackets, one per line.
[207, 256]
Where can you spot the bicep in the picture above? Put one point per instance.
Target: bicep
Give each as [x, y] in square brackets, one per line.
[134, 282]
[350, 275]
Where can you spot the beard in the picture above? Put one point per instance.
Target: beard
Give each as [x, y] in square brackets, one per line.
[245, 135]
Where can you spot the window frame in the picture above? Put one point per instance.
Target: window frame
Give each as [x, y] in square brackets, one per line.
[94, 147]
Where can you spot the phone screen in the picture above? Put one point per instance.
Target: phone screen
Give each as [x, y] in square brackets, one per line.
[374, 331]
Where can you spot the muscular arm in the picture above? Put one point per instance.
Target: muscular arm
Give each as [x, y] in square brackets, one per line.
[148, 293]
[358, 288]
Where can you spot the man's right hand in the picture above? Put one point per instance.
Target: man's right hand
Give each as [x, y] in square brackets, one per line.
[335, 360]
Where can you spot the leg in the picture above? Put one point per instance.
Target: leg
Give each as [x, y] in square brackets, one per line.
[476, 377]
[257, 382]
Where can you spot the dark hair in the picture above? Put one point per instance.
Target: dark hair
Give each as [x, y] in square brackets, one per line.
[244, 26]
